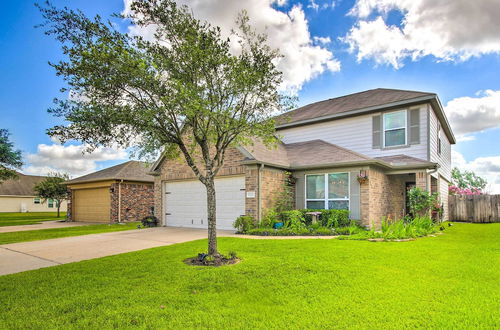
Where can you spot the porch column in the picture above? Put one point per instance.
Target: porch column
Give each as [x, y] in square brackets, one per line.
[422, 180]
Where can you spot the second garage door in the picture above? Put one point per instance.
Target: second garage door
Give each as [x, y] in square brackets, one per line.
[186, 202]
[91, 205]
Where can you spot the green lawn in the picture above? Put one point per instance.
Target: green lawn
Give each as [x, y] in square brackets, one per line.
[31, 218]
[449, 281]
[36, 235]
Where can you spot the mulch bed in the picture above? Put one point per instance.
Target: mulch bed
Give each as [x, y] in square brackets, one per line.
[215, 261]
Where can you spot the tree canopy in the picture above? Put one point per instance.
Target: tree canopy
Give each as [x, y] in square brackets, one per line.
[189, 92]
[10, 158]
[52, 187]
[467, 180]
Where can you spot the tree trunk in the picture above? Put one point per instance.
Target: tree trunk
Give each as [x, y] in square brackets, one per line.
[211, 211]
[58, 208]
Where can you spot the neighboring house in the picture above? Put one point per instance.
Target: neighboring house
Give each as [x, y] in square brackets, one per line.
[398, 139]
[116, 194]
[17, 195]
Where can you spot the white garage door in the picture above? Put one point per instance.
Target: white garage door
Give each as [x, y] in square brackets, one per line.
[186, 202]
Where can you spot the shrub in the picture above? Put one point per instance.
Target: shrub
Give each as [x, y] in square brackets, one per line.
[289, 232]
[352, 229]
[421, 201]
[244, 223]
[269, 219]
[328, 218]
[294, 220]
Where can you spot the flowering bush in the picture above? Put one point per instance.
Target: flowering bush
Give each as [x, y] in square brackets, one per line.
[454, 190]
[362, 177]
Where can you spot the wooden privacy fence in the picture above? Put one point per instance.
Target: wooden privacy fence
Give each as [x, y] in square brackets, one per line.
[474, 208]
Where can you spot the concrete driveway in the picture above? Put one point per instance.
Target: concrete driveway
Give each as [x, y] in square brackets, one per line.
[45, 225]
[18, 257]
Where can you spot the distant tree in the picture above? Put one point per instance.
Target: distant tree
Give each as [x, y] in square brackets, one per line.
[10, 159]
[466, 182]
[53, 188]
[184, 92]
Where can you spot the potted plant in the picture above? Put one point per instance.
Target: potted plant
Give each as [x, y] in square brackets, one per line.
[362, 177]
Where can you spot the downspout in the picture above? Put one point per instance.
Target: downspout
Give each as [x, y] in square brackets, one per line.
[259, 199]
[120, 201]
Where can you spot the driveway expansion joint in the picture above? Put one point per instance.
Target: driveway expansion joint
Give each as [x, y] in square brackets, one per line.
[31, 255]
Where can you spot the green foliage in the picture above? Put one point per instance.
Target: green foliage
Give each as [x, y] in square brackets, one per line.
[421, 201]
[270, 218]
[322, 231]
[10, 159]
[399, 229]
[352, 229]
[284, 199]
[329, 218]
[294, 220]
[52, 187]
[467, 180]
[244, 223]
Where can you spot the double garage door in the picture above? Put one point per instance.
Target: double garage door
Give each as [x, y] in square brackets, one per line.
[185, 202]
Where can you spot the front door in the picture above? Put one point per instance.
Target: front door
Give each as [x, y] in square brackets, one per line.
[409, 186]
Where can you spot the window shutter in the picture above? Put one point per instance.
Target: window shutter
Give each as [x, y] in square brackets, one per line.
[376, 132]
[414, 126]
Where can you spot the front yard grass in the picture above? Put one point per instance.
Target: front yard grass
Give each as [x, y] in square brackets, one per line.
[36, 235]
[448, 281]
[29, 218]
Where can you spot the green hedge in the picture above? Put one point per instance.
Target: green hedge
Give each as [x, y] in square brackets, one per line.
[329, 218]
[322, 231]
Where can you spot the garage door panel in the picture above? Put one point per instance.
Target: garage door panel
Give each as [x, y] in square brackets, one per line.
[186, 205]
[91, 205]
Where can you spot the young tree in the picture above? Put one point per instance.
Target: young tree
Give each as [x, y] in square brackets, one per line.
[467, 181]
[186, 92]
[53, 188]
[9, 158]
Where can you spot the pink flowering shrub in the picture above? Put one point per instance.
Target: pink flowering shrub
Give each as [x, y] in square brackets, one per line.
[454, 190]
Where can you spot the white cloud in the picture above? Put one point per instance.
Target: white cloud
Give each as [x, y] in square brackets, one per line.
[474, 114]
[448, 30]
[486, 167]
[69, 159]
[289, 32]
[322, 40]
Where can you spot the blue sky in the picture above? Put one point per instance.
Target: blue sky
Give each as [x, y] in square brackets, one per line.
[400, 47]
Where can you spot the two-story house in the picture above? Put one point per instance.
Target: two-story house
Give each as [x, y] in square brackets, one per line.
[359, 152]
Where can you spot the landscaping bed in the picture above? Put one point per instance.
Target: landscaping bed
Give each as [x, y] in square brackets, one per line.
[334, 223]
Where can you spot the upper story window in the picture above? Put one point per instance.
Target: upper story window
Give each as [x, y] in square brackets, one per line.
[394, 124]
[327, 191]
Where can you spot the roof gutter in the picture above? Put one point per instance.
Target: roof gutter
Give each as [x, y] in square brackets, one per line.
[346, 164]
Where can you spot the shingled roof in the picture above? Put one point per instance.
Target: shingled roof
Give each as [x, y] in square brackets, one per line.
[21, 186]
[373, 98]
[319, 153]
[129, 171]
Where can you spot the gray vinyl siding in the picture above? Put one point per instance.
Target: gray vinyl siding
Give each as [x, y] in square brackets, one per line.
[443, 196]
[356, 133]
[443, 159]
[354, 189]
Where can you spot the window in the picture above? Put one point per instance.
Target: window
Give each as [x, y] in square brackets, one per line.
[50, 203]
[36, 200]
[439, 139]
[395, 128]
[327, 191]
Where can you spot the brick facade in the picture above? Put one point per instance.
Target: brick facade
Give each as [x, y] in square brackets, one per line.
[137, 201]
[384, 196]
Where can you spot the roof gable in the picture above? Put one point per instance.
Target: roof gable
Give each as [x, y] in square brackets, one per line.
[22, 186]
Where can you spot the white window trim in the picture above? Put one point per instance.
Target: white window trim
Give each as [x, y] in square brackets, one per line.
[405, 127]
[326, 199]
[37, 200]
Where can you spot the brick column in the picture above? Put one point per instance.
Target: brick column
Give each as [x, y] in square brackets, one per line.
[422, 180]
[252, 185]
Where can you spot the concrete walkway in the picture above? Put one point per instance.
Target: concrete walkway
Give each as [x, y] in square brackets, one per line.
[18, 257]
[44, 225]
